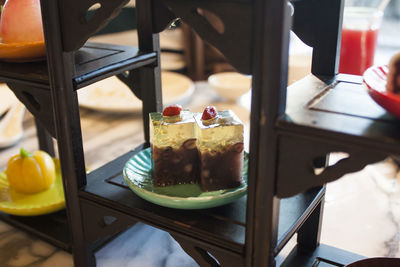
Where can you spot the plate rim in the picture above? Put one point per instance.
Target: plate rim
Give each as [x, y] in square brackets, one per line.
[199, 202]
[36, 210]
[387, 100]
[111, 109]
[27, 55]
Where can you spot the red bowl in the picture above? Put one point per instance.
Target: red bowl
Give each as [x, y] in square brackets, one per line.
[375, 80]
[376, 262]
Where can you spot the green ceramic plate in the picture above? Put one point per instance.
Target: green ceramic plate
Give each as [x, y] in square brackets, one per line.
[138, 175]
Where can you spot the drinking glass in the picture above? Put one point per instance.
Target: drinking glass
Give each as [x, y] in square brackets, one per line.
[359, 38]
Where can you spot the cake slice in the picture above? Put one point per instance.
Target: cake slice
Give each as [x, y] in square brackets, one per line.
[220, 143]
[173, 146]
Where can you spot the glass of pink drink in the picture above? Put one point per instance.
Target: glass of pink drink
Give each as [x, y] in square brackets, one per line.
[359, 39]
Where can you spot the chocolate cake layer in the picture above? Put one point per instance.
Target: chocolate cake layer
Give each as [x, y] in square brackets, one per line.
[222, 169]
[176, 166]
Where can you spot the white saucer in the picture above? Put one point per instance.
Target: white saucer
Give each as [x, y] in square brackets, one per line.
[112, 95]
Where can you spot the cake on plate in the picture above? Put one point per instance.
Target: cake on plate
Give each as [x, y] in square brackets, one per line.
[220, 144]
[173, 146]
[204, 148]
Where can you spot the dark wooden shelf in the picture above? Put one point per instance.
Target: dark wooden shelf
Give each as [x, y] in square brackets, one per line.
[52, 228]
[336, 113]
[93, 62]
[293, 212]
[223, 226]
[341, 111]
[322, 256]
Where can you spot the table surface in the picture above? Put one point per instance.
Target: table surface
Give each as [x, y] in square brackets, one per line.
[373, 193]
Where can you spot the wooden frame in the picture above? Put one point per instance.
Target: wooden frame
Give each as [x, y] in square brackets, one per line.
[249, 232]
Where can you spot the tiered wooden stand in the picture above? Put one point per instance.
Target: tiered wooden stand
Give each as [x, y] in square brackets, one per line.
[296, 127]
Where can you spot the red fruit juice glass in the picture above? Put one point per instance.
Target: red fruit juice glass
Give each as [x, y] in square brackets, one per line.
[359, 38]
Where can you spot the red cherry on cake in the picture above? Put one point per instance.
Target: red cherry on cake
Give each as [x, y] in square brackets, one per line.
[172, 110]
[209, 113]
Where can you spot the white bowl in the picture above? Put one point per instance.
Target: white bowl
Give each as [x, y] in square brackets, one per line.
[230, 85]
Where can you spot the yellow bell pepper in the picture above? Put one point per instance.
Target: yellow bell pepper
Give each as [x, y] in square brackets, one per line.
[31, 173]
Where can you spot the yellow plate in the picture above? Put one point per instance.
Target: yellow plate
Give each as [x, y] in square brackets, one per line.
[45, 202]
[22, 52]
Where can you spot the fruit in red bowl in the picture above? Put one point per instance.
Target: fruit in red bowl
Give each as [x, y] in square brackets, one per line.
[375, 79]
